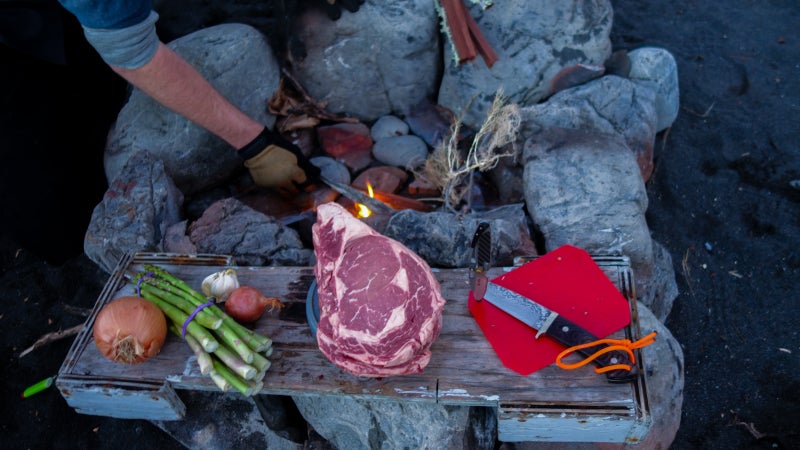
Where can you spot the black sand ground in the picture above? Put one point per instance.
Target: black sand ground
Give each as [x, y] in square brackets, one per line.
[720, 201]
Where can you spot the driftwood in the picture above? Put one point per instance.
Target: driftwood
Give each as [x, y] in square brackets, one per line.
[52, 337]
[484, 48]
[302, 112]
[467, 37]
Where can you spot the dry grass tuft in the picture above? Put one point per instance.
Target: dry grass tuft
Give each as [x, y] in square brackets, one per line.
[451, 171]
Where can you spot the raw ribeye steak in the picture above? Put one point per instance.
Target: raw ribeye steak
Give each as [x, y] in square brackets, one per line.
[380, 305]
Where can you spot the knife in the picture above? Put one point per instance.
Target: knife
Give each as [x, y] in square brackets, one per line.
[481, 260]
[562, 330]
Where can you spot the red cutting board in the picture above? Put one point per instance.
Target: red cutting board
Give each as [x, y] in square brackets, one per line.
[567, 281]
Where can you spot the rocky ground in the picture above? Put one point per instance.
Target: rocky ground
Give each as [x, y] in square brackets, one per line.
[721, 200]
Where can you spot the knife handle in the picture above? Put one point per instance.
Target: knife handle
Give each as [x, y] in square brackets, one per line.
[570, 334]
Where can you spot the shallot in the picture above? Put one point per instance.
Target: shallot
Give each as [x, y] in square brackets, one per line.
[247, 304]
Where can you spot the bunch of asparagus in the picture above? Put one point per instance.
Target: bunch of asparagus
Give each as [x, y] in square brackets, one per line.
[231, 354]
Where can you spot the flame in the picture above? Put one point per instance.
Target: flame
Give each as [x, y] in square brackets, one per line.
[363, 210]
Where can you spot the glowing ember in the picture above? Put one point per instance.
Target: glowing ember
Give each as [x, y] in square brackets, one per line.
[363, 210]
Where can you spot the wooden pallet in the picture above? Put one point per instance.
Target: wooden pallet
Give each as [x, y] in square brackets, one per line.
[549, 405]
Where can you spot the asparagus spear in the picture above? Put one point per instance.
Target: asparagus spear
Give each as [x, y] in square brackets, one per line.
[230, 353]
[178, 317]
[202, 317]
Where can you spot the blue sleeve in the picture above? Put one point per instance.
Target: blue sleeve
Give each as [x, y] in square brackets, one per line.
[122, 31]
[108, 14]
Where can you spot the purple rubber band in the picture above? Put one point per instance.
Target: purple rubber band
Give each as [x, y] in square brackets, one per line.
[141, 280]
[192, 316]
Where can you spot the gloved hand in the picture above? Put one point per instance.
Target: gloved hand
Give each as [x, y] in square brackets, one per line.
[276, 163]
[334, 7]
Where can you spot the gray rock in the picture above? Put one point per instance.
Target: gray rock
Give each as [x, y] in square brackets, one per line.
[176, 241]
[217, 421]
[229, 227]
[332, 169]
[662, 290]
[388, 126]
[663, 365]
[574, 75]
[534, 40]
[355, 66]
[198, 203]
[609, 104]
[352, 423]
[431, 123]
[135, 213]
[657, 66]
[443, 239]
[584, 189]
[406, 151]
[237, 60]
[507, 178]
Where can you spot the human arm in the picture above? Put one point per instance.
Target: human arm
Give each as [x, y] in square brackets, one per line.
[123, 33]
[173, 82]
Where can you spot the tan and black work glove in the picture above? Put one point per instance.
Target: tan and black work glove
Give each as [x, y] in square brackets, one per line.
[276, 163]
[334, 7]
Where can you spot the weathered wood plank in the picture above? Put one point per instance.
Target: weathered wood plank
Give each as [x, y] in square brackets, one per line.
[122, 400]
[464, 370]
[562, 427]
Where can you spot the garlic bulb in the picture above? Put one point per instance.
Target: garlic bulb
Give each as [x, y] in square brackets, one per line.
[220, 285]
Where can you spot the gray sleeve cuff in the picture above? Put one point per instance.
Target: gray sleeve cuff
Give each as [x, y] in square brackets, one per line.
[129, 48]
